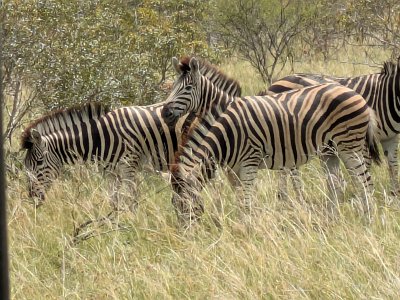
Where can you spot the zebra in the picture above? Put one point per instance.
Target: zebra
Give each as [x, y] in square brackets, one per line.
[382, 93]
[124, 139]
[93, 133]
[276, 132]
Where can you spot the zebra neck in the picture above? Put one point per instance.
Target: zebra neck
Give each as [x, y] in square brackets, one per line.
[196, 172]
[65, 147]
[215, 102]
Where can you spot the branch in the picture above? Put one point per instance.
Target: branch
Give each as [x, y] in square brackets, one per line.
[20, 107]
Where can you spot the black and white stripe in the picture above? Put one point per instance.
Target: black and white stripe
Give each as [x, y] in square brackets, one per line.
[277, 132]
[123, 139]
[382, 93]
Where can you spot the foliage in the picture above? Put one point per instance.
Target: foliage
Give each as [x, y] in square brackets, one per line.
[58, 52]
[269, 33]
[324, 29]
[116, 51]
[375, 23]
[263, 32]
[332, 25]
[65, 52]
[171, 28]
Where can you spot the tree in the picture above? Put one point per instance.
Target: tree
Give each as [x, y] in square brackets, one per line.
[375, 23]
[324, 30]
[60, 52]
[171, 28]
[263, 32]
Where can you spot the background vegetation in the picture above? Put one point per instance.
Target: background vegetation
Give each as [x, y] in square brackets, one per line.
[59, 53]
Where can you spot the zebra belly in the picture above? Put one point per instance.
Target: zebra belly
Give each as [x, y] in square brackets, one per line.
[289, 157]
[279, 164]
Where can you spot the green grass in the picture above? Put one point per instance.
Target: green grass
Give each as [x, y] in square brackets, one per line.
[284, 251]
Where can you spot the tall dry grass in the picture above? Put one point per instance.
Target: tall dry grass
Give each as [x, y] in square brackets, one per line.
[285, 251]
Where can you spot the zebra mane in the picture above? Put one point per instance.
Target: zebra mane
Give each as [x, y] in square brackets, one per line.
[184, 141]
[265, 93]
[58, 119]
[217, 77]
[212, 73]
[390, 67]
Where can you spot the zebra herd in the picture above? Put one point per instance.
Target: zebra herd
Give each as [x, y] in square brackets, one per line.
[205, 123]
[124, 140]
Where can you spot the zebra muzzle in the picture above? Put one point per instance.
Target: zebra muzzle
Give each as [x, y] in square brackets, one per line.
[169, 116]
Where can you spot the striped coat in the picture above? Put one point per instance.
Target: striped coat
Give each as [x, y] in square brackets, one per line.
[124, 140]
[382, 93]
[282, 131]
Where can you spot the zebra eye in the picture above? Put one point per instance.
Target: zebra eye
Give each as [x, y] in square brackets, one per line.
[188, 88]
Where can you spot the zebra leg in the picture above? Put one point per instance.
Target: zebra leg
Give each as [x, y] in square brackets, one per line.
[390, 150]
[357, 167]
[233, 178]
[116, 193]
[125, 184]
[114, 186]
[247, 175]
[297, 184]
[233, 181]
[130, 182]
[335, 182]
[129, 173]
[187, 202]
[282, 185]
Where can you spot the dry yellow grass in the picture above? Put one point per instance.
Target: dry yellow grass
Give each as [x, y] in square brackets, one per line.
[285, 251]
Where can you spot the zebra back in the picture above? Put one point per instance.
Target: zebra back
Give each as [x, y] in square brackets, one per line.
[380, 90]
[298, 81]
[61, 119]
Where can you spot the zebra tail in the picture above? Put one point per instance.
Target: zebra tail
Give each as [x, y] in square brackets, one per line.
[372, 140]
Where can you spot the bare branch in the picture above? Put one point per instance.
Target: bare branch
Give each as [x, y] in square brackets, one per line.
[21, 103]
[263, 34]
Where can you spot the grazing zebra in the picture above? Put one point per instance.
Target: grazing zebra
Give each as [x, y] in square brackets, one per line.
[382, 93]
[123, 139]
[277, 132]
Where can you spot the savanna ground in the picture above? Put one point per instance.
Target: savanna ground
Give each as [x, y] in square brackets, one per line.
[287, 251]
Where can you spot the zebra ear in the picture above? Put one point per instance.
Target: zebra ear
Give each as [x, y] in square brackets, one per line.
[30, 138]
[36, 137]
[175, 63]
[194, 67]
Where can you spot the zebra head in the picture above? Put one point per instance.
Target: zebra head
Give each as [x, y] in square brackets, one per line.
[185, 95]
[186, 198]
[42, 166]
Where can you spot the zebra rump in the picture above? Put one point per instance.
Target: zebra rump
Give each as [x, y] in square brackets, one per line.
[381, 91]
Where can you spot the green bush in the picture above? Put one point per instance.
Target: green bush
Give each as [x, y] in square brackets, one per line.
[114, 51]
